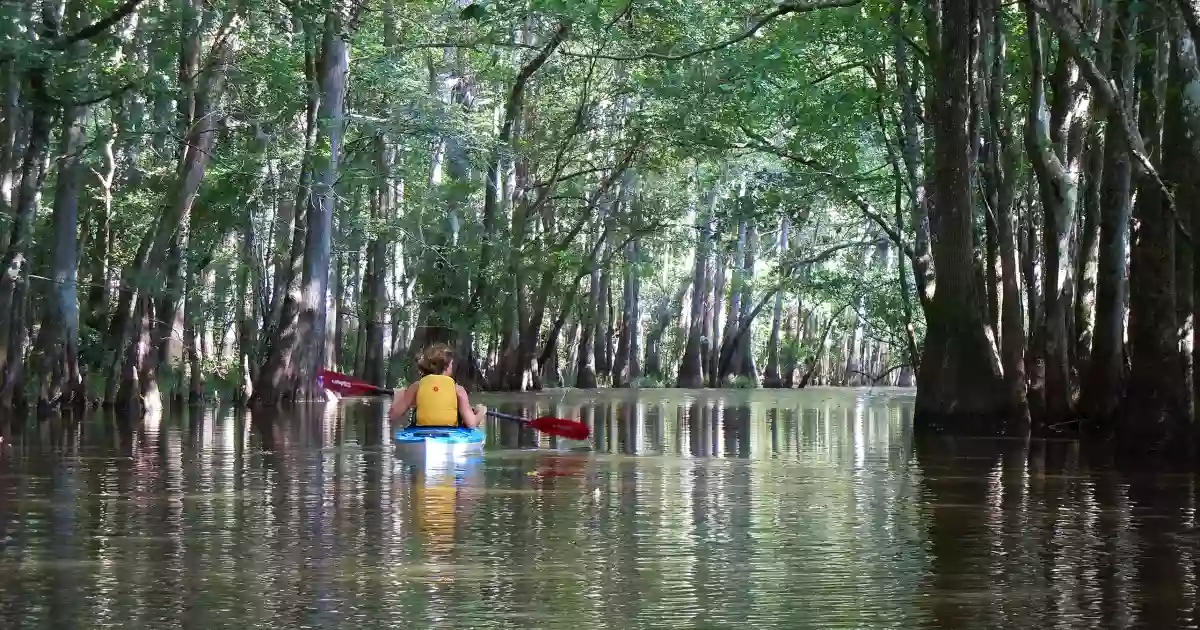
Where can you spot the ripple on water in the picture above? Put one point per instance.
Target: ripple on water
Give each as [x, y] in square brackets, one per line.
[692, 509]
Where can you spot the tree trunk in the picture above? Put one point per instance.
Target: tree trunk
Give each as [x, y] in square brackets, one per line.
[691, 373]
[1181, 151]
[585, 369]
[1101, 387]
[628, 363]
[99, 294]
[1002, 161]
[335, 68]
[276, 378]
[59, 374]
[743, 347]
[1186, 30]
[911, 150]
[1054, 137]
[138, 381]
[14, 282]
[958, 384]
[375, 282]
[733, 310]
[717, 287]
[193, 319]
[1086, 266]
[771, 377]
[791, 338]
[852, 372]
[247, 343]
[1153, 395]
[667, 311]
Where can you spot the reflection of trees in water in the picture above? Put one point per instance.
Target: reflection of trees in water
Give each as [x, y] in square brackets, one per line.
[1037, 534]
[745, 512]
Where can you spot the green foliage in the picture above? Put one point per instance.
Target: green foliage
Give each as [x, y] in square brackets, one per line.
[789, 115]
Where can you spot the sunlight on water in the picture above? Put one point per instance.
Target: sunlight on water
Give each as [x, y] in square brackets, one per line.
[686, 509]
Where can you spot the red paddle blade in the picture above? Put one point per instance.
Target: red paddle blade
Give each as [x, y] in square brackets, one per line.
[344, 385]
[570, 429]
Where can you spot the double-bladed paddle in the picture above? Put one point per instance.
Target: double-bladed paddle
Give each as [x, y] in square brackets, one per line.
[344, 385]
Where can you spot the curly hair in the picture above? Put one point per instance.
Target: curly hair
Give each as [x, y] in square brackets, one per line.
[435, 359]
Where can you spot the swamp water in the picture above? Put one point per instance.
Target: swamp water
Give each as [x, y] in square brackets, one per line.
[706, 509]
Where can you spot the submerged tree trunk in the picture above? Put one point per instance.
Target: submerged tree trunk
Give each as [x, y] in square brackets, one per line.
[1054, 137]
[1155, 396]
[276, 378]
[628, 363]
[771, 376]
[666, 312]
[1101, 385]
[335, 68]
[59, 374]
[1002, 160]
[14, 268]
[375, 281]
[958, 383]
[199, 107]
[690, 371]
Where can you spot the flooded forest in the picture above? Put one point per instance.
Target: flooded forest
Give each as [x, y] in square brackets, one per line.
[988, 201]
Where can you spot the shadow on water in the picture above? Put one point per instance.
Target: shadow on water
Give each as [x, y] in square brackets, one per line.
[688, 509]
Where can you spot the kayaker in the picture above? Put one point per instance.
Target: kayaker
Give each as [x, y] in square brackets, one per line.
[437, 400]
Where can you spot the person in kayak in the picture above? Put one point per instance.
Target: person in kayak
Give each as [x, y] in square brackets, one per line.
[436, 399]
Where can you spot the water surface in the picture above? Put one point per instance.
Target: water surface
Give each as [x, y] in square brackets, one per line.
[732, 509]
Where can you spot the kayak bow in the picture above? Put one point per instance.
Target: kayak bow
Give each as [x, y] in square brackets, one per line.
[450, 436]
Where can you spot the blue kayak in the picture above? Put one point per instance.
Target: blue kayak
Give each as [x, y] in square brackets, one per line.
[450, 436]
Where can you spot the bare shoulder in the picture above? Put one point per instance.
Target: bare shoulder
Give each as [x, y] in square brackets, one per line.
[460, 389]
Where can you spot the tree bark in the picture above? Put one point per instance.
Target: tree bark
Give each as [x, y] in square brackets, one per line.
[375, 281]
[1002, 160]
[59, 375]
[771, 376]
[1054, 137]
[15, 264]
[690, 371]
[335, 68]
[1153, 395]
[629, 364]
[959, 382]
[1101, 388]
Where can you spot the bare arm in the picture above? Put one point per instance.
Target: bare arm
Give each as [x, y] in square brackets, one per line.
[472, 416]
[402, 402]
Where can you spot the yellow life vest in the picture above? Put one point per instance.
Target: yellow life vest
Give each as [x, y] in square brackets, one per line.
[437, 401]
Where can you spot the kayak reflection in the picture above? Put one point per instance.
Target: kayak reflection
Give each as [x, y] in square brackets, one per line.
[438, 477]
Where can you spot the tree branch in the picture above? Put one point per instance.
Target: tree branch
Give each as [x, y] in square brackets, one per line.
[97, 28]
[784, 8]
[1112, 100]
[1191, 17]
[865, 206]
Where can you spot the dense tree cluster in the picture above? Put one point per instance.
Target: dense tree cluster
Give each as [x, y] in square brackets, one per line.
[993, 199]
